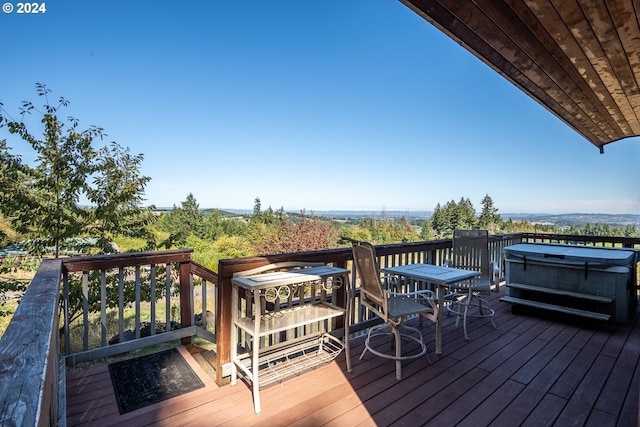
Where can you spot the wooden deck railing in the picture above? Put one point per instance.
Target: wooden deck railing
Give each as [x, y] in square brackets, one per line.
[164, 280]
[33, 356]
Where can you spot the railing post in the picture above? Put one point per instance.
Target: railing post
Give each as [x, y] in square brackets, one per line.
[185, 298]
[223, 323]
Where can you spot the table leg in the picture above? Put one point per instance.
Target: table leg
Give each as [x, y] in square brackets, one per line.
[440, 291]
[255, 348]
[347, 320]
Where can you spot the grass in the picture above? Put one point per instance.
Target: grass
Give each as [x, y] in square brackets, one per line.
[7, 308]
[9, 299]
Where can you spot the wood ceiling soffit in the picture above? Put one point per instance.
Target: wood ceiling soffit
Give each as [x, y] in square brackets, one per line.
[595, 64]
[553, 51]
[476, 35]
[623, 50]
[562, 46]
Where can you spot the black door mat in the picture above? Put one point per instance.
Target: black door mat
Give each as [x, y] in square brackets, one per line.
[150, 379]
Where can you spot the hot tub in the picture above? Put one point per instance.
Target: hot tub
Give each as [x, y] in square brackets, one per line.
[587, 281]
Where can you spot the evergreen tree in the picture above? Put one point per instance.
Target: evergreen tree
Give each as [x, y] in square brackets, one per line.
[464, 215]
[441, 221]
[182, 222]
[489, 218]
[262, 230]
[233, 227]
[426, 233]
[256, 207]
[212, 226]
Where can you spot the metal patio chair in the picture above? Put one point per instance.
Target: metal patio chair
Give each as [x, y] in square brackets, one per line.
[471, 252]
[390, 306]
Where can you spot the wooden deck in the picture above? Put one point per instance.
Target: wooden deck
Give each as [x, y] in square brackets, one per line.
[533, 370]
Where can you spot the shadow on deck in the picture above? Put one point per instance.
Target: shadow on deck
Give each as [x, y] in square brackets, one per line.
[532, 370]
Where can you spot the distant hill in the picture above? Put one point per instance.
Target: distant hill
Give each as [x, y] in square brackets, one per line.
[575, 218]
[351, 214]
[555, 219]
[375, 214]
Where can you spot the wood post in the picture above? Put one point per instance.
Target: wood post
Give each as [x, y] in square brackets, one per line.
[185, 299]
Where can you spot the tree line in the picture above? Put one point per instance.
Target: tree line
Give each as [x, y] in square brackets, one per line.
[268, 231]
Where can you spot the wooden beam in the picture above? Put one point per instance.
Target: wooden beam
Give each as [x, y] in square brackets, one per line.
[185, 299]
[125, 260]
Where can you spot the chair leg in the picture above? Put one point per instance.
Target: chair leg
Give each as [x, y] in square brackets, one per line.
[455, 307]
[490, 315]
[396, 333]
[464, 320]
[364, 350]
[419, 340]
[483, 306]
[363, 353]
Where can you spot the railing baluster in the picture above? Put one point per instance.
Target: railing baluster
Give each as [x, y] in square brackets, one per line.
[167, 297]
[137, 278]
[191, 298]
[85, 310]
[203, 292]
[103, 308]
[215, 305]
[152, 298]
[65, 302]
[121, 304]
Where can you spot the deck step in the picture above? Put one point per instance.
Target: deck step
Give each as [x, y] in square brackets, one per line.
[558, 308]
[590, 297]
[205, 364]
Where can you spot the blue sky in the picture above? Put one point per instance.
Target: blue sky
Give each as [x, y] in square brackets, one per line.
[315, 105]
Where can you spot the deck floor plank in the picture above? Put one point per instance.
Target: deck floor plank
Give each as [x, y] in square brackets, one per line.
[532, 370]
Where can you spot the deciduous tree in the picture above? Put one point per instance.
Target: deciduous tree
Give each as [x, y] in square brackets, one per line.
[117, 195]
[49, 194]
[43, 200]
